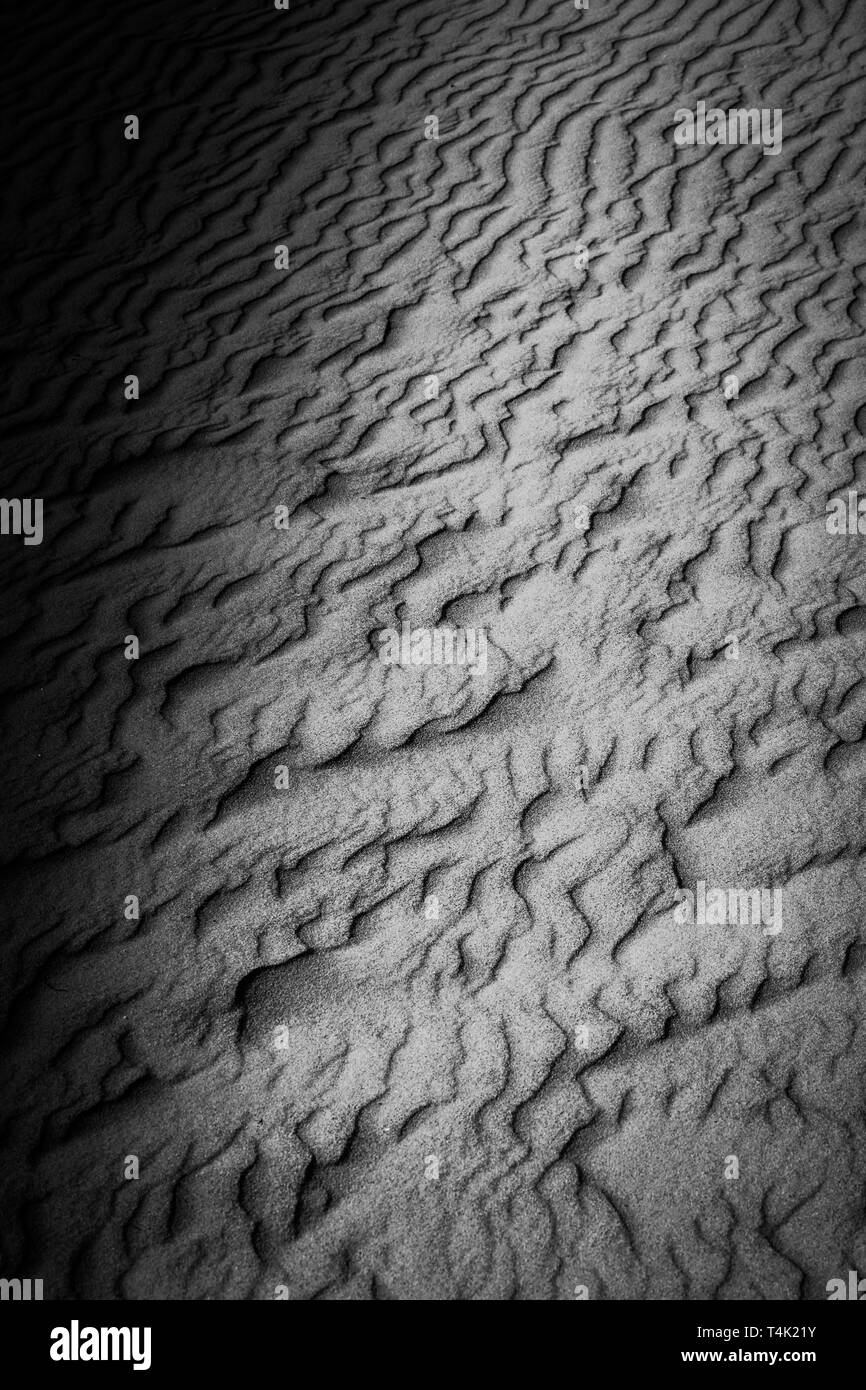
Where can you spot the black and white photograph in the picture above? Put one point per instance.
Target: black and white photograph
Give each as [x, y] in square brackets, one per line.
[433, 664]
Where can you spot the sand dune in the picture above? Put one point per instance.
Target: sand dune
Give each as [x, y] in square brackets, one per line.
[407, 1010]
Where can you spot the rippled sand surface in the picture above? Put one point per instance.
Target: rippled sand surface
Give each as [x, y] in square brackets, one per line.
[406, 1011]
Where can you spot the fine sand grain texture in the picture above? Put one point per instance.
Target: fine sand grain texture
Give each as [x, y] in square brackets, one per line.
[406, 1008]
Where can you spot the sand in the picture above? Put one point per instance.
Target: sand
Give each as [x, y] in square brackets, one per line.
[333, 977]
